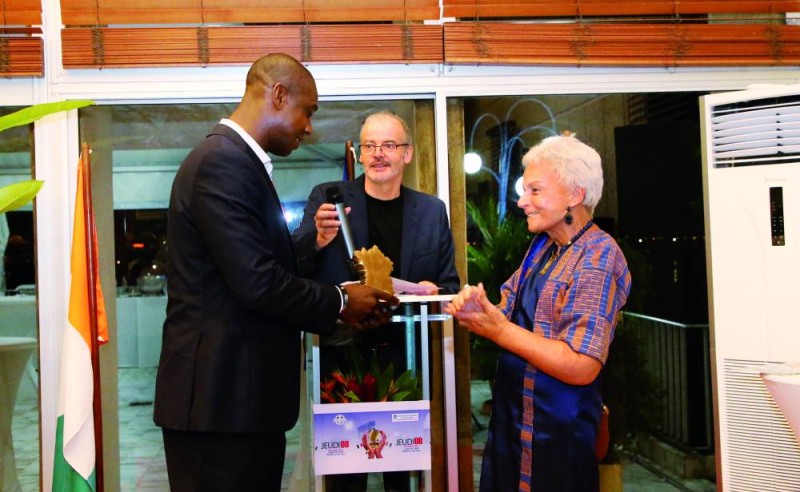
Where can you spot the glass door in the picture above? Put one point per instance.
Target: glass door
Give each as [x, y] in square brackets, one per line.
[19, 377]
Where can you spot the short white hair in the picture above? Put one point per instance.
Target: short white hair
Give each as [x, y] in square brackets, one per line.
[574, 162]
[385, 113]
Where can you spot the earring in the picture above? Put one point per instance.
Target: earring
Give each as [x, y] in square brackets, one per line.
[568, 218]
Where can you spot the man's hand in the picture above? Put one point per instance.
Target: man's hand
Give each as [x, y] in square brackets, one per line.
[367, 306]
[327, 222]
[433, 289]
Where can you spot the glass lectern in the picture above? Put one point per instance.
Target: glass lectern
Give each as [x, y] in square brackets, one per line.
[365, 422]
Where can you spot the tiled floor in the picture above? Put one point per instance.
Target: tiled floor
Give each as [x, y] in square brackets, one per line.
[25, 431]
[142, 466]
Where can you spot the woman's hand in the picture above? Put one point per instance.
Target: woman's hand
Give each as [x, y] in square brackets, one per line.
[476, 313]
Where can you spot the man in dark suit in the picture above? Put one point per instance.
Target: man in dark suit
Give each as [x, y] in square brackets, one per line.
[409, 227]
[227, 387]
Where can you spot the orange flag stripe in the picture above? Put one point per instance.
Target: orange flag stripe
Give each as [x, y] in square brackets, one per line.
[79, 315]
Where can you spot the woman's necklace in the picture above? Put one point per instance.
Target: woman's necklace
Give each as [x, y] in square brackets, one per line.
[558, 251]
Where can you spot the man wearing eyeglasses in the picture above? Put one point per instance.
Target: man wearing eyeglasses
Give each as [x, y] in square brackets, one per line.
[409, 227]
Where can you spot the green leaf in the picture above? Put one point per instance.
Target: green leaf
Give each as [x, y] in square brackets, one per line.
[33, 113]
[353, 397]
[374, 368]
[401, 395]
[356, 361]
[406, 382]
[385, 381]
[16, 195]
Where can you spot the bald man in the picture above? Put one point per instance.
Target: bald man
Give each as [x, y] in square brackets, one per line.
[228, 380]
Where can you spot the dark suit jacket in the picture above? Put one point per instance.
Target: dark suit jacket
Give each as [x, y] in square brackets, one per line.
[231, 344]
[427, 252]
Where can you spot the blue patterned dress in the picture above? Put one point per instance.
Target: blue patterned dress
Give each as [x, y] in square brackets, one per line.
[542, 431]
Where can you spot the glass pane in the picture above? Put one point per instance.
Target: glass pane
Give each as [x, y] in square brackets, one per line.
[144, 145]
[19, 379]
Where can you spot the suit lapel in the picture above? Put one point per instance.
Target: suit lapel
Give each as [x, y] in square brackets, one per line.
[237, 140]
[411, 231]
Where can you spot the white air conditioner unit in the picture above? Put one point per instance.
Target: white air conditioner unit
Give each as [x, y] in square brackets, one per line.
[751, 175]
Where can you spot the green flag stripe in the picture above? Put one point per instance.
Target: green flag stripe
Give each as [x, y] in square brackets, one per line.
[65, 478]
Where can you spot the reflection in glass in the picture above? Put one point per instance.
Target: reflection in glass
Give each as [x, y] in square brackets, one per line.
[507, 139]
[19, 380]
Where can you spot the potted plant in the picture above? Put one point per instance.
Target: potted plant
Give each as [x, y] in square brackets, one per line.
[360, 384]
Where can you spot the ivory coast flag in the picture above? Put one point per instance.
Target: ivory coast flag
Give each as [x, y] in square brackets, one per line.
[74, 461]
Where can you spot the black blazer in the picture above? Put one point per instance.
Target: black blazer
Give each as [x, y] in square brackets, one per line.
[427, 252]
[231, 347]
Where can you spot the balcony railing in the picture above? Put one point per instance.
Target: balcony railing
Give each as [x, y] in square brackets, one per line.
[678, 359]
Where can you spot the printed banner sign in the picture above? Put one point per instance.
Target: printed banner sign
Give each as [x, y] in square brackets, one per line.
[372, 437]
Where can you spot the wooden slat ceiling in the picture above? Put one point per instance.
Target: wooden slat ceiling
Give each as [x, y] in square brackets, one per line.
[134, 33]
[622, 45]
[21, 52]
[21, 57]
[141, 47]
[87, 13]
[610, 8]
[21, 13]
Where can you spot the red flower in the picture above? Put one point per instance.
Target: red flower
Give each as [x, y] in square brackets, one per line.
[335, 374]
[369, 386]
[373, 384]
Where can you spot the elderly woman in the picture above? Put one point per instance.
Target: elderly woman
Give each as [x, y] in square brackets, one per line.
[554, 324]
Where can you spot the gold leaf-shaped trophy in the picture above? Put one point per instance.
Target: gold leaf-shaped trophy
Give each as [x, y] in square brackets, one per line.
[374, 268]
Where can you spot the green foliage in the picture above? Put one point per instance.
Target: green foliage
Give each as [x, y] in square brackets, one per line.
[499, 250]
[37, 111]
[491, 260]
[16, 195]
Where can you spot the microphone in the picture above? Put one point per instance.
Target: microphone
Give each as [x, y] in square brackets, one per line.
[334, 196]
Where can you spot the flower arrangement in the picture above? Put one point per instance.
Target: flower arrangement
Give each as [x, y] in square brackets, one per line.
[368, 385]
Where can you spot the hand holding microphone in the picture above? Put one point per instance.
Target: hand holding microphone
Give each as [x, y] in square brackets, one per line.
[328, 218]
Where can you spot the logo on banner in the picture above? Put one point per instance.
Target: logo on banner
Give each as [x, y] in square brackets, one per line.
[344, 444]
[410, 441]
[373, 441]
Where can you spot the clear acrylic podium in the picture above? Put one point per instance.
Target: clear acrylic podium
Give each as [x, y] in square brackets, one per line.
[412, 325]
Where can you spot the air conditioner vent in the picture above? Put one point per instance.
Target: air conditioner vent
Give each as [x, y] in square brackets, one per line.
[763, 453]
[758, 132]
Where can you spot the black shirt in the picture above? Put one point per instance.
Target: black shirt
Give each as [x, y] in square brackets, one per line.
[385, 226]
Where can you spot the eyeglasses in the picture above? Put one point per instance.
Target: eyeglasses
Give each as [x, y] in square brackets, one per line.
[388, 147]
